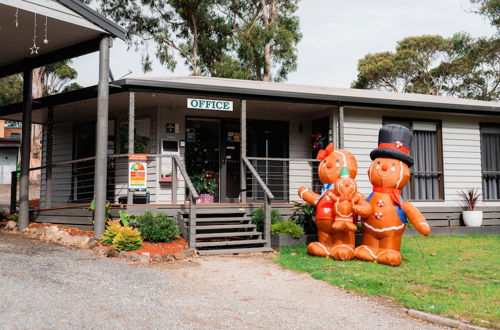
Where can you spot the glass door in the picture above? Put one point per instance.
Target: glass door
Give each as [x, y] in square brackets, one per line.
[230, 161]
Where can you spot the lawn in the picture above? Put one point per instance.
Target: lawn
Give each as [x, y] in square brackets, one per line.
[455, 276]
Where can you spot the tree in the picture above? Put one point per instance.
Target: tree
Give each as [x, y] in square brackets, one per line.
[490, 9]
[11, 88]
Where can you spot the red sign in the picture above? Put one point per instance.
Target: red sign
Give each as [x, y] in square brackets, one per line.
[138, 157]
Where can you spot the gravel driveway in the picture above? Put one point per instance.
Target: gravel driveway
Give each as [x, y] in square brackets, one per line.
[44, 286]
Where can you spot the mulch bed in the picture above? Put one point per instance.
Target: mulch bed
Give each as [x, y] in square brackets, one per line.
[177, 245]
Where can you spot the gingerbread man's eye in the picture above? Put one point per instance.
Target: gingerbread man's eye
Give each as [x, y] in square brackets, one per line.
[338, 160]
[378, 162]
[393, 164]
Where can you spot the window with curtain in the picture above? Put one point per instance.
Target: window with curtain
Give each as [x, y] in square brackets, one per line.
[490, 161]
[426, 181]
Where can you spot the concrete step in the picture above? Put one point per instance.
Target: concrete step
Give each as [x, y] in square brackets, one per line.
[230, 243]
[226, 226]
[229, 234]
[234, 251]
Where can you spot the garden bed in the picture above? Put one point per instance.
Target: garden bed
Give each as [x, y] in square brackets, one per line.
[454, 276]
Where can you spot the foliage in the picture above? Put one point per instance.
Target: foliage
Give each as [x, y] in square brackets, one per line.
[158, 227]
[57, 76]
[127, 219]
[204, 183]
[127, 239]
[141, 143]
[289, 228]
[460, 66]
[303, 215]
[107, 210]
[258, 217]
[469, 198]
[12, 89]
[455, 276]
[249, 39]
[113, 227]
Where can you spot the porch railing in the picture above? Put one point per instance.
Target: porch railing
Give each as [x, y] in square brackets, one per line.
[283, 177]
[267, 200]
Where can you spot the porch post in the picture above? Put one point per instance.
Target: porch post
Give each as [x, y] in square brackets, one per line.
[25, 149]
[101, 161]
[131, 140]
[341, 127]
[243, 151]
[48, 155]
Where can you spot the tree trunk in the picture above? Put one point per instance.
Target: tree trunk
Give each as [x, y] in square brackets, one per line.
[194, 62]
[36, 129]
[267, 48]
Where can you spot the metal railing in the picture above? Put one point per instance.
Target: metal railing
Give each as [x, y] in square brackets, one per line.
[267, 200]
[283, 177]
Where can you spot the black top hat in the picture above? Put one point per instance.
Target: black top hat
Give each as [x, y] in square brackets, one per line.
[394, 142]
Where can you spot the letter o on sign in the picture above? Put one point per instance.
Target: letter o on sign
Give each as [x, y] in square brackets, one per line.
[194, 103]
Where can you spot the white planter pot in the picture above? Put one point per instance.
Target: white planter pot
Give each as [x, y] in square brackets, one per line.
[473, 218]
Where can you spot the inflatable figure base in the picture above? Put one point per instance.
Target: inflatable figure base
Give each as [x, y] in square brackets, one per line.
[341, 252]
[382, 256]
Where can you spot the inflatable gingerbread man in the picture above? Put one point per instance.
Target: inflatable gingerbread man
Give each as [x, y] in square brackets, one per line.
[337, 244]
[389, 173]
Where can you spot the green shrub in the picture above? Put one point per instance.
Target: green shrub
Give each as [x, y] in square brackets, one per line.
[303, 215]
[158, 227]
[289, 228]
[127, 239]
[113, 227]
[126, 219]
[258, 217]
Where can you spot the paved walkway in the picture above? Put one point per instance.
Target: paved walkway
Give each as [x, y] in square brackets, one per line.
[47, 286]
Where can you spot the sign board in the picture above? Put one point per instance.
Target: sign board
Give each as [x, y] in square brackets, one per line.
[203, 104]
[137, 172]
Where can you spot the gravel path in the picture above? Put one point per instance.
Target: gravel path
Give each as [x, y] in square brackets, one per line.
[48, 286]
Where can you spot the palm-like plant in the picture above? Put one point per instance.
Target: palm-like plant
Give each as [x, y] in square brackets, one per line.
[469, 198]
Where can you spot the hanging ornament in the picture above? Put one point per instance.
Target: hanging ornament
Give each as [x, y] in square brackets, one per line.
[34, 49]
[45, 40]
[17, 17]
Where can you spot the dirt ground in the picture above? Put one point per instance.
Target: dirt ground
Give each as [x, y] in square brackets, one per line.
[49, 286]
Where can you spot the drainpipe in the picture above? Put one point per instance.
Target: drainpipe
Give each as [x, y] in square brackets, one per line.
[101, 162]
[341, 127]
[25, 149]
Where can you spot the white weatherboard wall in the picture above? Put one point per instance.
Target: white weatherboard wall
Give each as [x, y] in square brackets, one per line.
[461, 148]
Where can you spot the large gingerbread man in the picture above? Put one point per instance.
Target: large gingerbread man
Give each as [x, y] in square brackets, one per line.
[331, 243]
[389, 173]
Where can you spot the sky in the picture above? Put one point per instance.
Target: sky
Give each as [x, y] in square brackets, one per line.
[336, 34]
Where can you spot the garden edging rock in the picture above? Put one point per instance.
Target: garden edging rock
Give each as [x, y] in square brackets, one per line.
[441, 320]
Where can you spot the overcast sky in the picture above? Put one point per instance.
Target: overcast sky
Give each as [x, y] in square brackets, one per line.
[336, 34]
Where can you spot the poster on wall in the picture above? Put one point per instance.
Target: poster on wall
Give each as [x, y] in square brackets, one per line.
[137, 172]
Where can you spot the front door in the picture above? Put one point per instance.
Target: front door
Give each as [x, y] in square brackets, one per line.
[230, 161]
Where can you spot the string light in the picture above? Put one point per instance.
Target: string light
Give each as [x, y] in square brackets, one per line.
[45, 40]
[17, 17]
[34, 49]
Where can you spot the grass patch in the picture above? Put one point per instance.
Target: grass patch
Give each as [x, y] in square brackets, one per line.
[463, 280]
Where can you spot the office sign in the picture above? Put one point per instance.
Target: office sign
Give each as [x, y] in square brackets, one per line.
[202, 104]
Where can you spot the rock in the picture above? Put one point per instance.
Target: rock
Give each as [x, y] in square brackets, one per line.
[101, 251]
[157, 258]
[167, 257]
[143, 259]
[146, 254]
[51, 229]
[11, 226]
[133, 257]
[112, 253]
[189, 252]
[80, 240]
[91, 244]
[122, 255]
[180, 255]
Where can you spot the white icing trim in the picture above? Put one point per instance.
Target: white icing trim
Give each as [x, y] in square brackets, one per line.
[369, 250]
[324, 248]
[302, 193]
[381, 253]
[347, 246]
[338, 212]
[343, 157]
[400, 174]
[384, 229]
[424, 224]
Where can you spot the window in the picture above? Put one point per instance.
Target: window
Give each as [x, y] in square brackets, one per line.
[426, 181]
[490, 161]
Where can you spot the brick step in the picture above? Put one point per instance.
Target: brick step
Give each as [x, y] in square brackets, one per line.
[234, 251]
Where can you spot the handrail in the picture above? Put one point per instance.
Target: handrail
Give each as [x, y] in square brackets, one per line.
[285, 159]
[180, 165]
[258, 178]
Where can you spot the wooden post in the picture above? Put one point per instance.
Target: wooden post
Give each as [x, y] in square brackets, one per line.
[13, 192]
[24, 185]
[267, 220]
[243, 151]
[131, 136]
[101, 162]
[341, 127]
[48, 155]
[174, 181]
[192, 221]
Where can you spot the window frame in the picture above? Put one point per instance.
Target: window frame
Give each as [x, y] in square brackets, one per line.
[482, 126]
[439, 147]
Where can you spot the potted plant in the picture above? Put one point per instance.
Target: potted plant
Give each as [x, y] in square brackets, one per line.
[469, 199]
[206, 186]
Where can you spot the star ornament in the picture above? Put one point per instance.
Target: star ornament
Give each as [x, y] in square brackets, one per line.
[45, 41]
[34, 49]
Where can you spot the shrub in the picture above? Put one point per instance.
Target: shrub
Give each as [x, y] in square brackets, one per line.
[127, 239]
[112, 229]
[258, 217]
[303, 215]
[157, 228]
[289, 228]
[126, 219]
